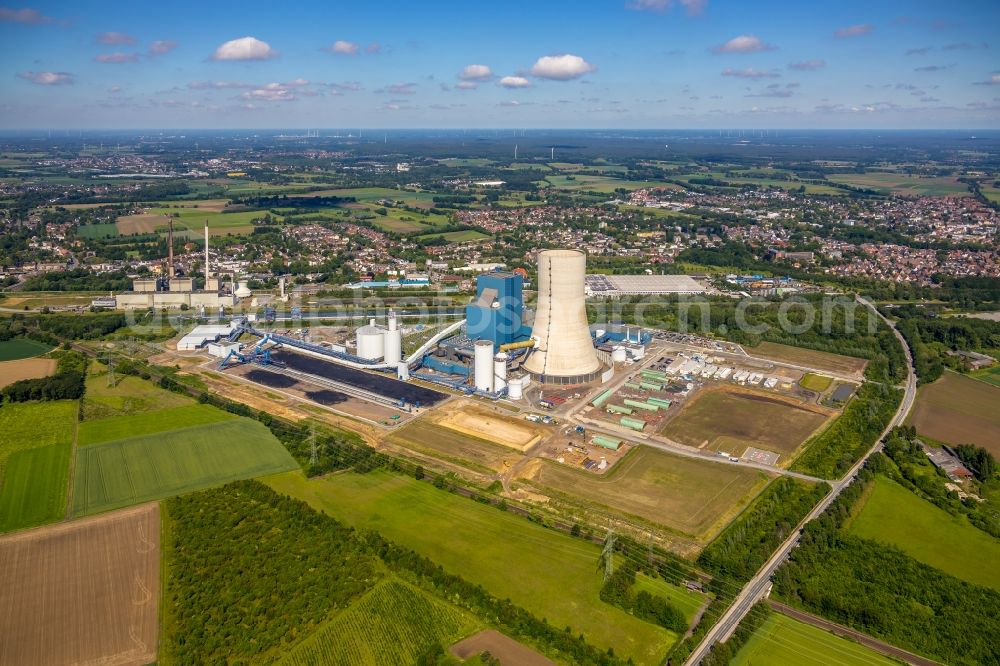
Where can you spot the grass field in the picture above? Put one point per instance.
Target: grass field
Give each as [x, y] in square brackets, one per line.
[82, 592]
[34, 486]
[138, 469]
[905, 184]
[814, 382]
[30, 425]
[959, 410]
[191, 215]
[603, 184]
[472, 452]
[551, 574]
[25, 368]
[91, 231]
[146, 423]
[892, 514]
[694, 497]
[13, 350]
[686, 600]
[392, 624]
[456, 236]
[730, 420]
[781, 641]
[810, 358]
[129, 395]
[989, 375]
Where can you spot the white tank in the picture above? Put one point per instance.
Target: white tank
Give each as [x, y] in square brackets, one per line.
[619, 355]
[243, 291]
[499, 372]
[371, 342]
[482, 375]
[403, 371]
[515, 389]
[393, 341]
[565, 348]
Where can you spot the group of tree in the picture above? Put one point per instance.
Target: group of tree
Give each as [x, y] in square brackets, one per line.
[66, 384]
[933, 339]
[618, 591]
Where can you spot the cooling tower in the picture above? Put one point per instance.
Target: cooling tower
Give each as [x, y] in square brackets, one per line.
[564, 351]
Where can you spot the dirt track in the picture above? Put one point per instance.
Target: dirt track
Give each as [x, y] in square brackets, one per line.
[83, 592]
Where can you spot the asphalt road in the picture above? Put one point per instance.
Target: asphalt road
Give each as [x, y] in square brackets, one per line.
[759, 585]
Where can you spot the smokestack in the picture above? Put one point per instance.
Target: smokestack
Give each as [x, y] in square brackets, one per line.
[170, 247]
[206, 254]
[564, 352]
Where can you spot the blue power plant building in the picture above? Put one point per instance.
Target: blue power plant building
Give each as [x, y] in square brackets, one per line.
[497, 313]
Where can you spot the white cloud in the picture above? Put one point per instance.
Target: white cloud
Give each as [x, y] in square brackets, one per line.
[115, 39]
[853, 30]
[463, 85]
[162, 46]
[743, 44]
[512, 102]
[47, 78]
[994, 80]
[344, 47]
[218, 85]
[749, 73]
[277, 92]
[399, 89]
[115, 90]
[244, 48]
[693, 7]
[808, 65]
[26, 16]
[117, 58]
[515, 82]
[373, 48]
[351, 86]
[476, 73]
[561, 67]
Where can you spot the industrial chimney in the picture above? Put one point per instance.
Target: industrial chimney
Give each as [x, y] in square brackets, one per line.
[564, 351]
[170, 247]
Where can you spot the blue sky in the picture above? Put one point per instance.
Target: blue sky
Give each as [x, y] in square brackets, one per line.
[613, 63]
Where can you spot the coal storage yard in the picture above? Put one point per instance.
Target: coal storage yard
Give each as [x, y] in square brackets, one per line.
[366, 381]
[327, 397]
[272, 379]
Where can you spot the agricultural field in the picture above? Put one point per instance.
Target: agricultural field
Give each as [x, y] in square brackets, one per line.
[813, 382]
[904, 184]
[782, 640]
[190, 216]
[92, 231]
[989, 375]
[694, 497]
[147, 467]
[729, 420]
[550, 574]
[482, 422]
[26, 368]
[146, 423]
[456, 236]
[18, 348]
[129, 395]
[604, 184]
[82, 592]
[959, 410]
[392, 624]
[810, 358]
[34, 486]
[29, 425]
[476, 453]
[894, 515]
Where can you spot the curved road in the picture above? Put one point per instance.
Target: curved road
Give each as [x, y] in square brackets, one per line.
[760, 583]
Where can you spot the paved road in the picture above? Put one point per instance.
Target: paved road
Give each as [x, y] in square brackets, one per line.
[760, 583]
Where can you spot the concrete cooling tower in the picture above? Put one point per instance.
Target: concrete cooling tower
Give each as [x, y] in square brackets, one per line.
[564, 352]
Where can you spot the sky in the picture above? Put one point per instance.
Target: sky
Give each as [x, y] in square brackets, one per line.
[628, 64]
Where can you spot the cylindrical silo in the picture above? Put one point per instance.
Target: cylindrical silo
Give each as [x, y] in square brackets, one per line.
[393, 341]
[565, 351]
[500, 372]
[482, 375]
[403, 371]
[371, 342]
[515, 389]
[619, 355]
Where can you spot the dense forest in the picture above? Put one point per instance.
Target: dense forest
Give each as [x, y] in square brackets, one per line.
[883, 592]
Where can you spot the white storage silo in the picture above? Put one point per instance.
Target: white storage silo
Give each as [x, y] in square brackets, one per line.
[371, 341]
[482, 373]
[619, 355]
[515, 389]
[403, 371]
[499, 372]
[393, 341]
[565, 351]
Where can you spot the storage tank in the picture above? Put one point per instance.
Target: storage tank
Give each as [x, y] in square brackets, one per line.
[618, 355]
[565, 351]
[483, 366]
[515, 389]
[371, 342]
[393, 341]
[243, 291]
[403, 371]
[500, 372]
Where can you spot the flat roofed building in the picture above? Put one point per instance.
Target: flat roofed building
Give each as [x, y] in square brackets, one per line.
[641, 285]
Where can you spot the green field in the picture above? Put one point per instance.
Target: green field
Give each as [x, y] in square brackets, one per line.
[894, 515]
[694, 497]
[12, 350]
[814, 382]
[901, 183]
[781, 641]
[959, 410]
[138, 469]
[129, 395]
[146, 423]
[104, 230]
[392, 624]
[686, 600]
[551, 574]
[603, 184]
[34, 486]
[36, 440]
[456, 236]
[989, 375]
